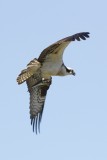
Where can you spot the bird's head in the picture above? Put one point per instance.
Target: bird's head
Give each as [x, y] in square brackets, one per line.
[70, 71]
[66, 71]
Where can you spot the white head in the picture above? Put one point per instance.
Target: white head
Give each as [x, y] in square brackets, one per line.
[66, 71]
[69, 71]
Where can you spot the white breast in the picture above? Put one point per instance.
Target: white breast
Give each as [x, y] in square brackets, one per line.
[51, 67]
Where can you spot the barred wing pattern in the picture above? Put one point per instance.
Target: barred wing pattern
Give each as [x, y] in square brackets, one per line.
[58, 48]
[37, 99]
[37, 70]
[32, 68]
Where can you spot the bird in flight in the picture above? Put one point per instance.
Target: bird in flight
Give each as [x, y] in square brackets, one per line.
[38, 75]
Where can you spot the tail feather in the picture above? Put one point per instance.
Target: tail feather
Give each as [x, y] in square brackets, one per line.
[23, 76]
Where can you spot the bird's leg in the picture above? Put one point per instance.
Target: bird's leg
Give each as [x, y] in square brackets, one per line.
[47, 80]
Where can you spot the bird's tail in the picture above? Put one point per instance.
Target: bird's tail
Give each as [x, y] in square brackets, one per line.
[23, 76]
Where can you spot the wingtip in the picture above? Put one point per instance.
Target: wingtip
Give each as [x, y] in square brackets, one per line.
[78, 36]
[87, 34]
[19, 81]
[35, 122]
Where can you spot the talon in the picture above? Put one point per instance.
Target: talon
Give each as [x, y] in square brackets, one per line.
[45, 80]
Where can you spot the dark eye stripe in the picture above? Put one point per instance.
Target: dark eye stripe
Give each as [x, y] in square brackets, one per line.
[68, 70]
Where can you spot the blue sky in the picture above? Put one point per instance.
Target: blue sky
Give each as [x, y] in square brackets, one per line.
[74, 123]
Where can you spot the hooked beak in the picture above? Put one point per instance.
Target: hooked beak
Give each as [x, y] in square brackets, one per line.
[73, 73]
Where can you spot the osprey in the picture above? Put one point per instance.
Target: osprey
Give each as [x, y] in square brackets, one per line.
[39, 72]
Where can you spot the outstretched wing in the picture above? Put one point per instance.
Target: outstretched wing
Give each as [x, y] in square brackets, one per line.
[37, 100]
[32, 68]
[57, 48]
